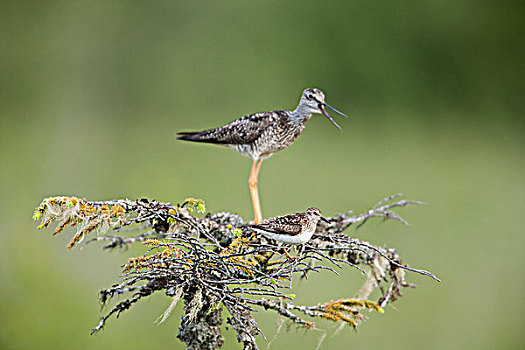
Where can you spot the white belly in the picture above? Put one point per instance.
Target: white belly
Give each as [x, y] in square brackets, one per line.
[301, 238]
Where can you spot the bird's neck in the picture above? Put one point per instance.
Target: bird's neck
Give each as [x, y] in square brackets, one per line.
[300, 114]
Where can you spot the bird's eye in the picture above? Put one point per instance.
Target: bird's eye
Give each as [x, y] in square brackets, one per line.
[309, 97]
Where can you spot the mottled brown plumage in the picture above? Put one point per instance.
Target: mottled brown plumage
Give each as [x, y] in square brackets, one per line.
[257, 136]
[260, 135]
[292, 229]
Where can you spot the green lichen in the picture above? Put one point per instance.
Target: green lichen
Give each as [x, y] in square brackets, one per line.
[195, 204]
[237, 232]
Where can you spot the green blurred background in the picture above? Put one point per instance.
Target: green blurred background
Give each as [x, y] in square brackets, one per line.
[92, 91]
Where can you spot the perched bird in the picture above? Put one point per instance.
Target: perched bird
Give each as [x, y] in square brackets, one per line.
[291, 229]
[260, 135]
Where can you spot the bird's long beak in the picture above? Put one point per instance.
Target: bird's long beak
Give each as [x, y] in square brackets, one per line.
[323, 109]
[325, 220]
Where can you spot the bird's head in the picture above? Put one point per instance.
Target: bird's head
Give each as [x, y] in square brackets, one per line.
[313, 102]
[315, 213]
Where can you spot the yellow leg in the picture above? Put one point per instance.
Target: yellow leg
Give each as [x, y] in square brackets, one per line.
[256, 165]
[288, 256]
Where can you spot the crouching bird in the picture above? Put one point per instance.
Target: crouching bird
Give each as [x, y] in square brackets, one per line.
[295, 228]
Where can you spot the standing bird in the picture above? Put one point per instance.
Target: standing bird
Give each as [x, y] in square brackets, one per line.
[260, 135]
[291, 229]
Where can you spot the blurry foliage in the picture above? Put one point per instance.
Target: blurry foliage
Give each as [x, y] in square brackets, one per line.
[167, 56]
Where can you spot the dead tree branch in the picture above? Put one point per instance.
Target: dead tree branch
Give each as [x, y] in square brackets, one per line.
[215, 262]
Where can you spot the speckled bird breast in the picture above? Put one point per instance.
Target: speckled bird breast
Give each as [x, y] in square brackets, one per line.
[275, 138]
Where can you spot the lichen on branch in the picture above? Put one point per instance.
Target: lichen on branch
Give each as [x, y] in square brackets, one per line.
[216, 262]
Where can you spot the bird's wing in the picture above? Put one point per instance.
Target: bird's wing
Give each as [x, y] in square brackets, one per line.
[240, 131]
[288, 225]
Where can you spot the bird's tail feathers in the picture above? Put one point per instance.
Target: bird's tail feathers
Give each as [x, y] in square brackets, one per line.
[195, 136]
[207, 136]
